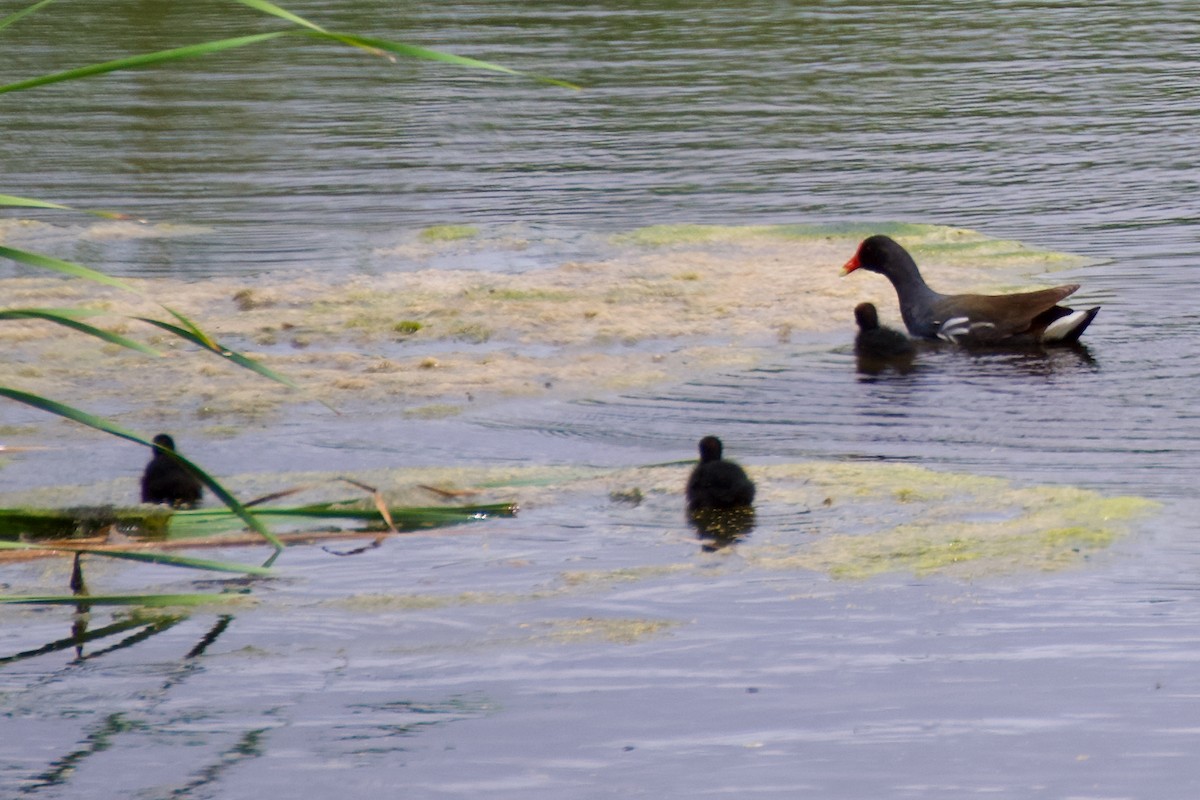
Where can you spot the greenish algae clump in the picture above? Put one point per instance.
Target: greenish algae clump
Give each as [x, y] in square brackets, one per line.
[448, 233]
[616, 631]
[666, 302]
[938, 242]
[900, 518]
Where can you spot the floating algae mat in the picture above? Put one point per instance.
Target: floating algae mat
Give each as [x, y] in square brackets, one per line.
[898, 518]
[661, 303]
[844, 519]
[856, 520]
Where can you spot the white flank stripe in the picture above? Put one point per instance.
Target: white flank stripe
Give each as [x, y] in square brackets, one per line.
[1063, 326]
[956, 328]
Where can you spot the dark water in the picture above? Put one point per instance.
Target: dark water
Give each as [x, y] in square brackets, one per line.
[1065, 126]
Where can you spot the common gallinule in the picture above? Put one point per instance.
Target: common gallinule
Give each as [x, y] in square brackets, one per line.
[875, 340]
[717, 483]
[1023, 318]
[166, 480]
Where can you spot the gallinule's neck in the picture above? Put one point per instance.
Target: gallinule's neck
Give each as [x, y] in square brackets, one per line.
[883, 255]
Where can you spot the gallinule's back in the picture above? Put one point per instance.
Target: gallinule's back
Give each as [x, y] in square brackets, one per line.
[717, 483]
[1022, 318]
[166, 480]
[875, 340]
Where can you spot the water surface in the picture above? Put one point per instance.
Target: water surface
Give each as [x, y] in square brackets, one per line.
[669, 672]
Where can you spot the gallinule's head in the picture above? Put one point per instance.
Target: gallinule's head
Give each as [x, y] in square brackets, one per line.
[880, 254]
[164, 441]
[866, 316]
[710, 449]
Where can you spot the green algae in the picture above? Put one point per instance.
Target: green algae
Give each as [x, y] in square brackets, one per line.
[566, 329]
[448, 233]
[536, 295]
[579, 578]
[691, 234]
[845, 520]
[933, 241]
[407, 327]
[377, 602]
[925, 522]
[433, 411]
[614, 631]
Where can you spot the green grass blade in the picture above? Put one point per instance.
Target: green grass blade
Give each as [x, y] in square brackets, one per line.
[11, 18]
[198, 337]
[143, 60]
[149, 557]
[186, 562]
[271, 8]
[147, 600]
[193, 327]
[399, 48]
[63, 410]
[308, 28]
[413, 51]
[28, 202]
[66, 317]
[65, 268]
[101, 424]
[66, 311]
[191, 523]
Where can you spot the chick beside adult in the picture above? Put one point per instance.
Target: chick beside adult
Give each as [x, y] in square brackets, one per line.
[717, 483]
[1021, 318]
[875, 340]
[166, 480]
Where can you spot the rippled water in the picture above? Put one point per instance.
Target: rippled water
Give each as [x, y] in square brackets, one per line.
[1068, 127]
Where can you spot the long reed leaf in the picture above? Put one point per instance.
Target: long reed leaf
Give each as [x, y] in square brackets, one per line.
[282, 13]
[192, 523]
[67, 318]
[414, 51]
[65, 268]
[308, 29]
[191, 326]
[101, 424]
[204, 341]
[143, 60]
[11, 18]
[29, 202]
[148, 600]
[149, 557]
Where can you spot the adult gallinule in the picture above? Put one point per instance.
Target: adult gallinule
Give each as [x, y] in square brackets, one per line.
[1023, 318]
[166, 480]
[875, 340]
[717, 483]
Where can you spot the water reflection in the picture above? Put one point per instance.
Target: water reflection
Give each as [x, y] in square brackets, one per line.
[102, 736]
[719, 528]
[873, 365]
[97, 740]
[1036, 361]
[80, 635]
